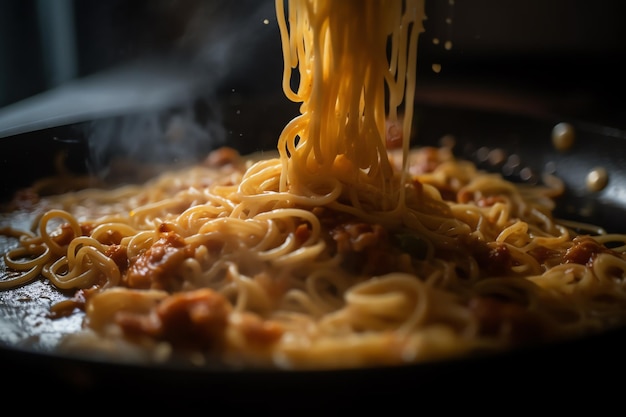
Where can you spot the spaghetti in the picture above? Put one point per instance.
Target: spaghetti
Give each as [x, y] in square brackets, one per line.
[335, 251]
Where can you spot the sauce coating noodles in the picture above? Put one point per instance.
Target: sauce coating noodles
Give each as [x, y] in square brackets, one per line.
[335, 251]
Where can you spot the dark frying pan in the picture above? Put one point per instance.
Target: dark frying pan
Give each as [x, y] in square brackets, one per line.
[28, 368]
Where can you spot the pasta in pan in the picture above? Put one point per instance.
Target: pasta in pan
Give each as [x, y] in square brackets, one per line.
[345, 248]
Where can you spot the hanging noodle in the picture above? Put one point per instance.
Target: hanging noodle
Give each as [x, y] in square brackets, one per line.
[333, 252]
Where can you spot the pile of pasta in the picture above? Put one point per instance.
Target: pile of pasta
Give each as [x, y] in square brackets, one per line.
[345, 248]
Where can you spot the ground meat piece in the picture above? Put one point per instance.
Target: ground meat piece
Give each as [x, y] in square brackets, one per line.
[365, 247]
[222, 156]
[259, 332]
[192, 319]
[78, 301]
[501, 317]
[66, 233]
[303, 232]
[111, 238]
[584, 250]
[495, 259]
[118, 254]
[356, 237]
[156, 268]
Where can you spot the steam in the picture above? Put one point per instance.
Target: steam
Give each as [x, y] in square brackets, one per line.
[176, 116]
[223, 36]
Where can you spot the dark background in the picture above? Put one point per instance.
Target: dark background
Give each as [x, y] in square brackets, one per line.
[558, 53]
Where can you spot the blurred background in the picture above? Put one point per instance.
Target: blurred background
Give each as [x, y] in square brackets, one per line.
[550, 55]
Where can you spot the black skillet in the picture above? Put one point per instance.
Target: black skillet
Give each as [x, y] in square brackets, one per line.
[26, 155]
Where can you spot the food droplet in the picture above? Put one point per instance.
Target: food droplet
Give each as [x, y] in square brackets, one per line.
[526, 174]
[447, 45]
[436, 41]
[497, 156]
[514, 160]
[437, 68]
[512, 163]
[482, 154]
[597, 179]
[563, 136]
